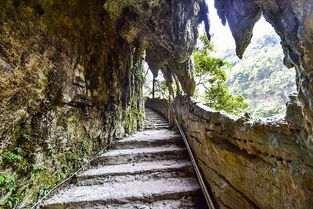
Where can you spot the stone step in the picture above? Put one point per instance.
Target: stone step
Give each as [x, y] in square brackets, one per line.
[154, 116]
[153, 122]
[157, 121]
[151, 115]
[156, 127]
[123, 193]
[149, 139]
[157, 124]
[150, 169]
[137, 171]
[136, 177]
[123, 156]
[186, 202]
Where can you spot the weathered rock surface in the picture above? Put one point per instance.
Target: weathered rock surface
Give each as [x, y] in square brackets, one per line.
[70, 80]
[293, 22]
[166, 29]
[65, 92]
[150, 169]
[248, 164]
[241, 16]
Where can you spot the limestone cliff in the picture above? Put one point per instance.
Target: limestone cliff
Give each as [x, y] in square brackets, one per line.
[71, 80]
[69, 84]
[292, 21]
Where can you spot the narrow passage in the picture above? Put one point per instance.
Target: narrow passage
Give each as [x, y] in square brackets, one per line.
[150, 169]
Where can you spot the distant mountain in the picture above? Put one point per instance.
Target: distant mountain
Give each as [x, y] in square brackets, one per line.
[261, 77]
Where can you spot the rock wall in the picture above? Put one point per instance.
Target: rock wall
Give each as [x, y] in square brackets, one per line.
[69, 85]
[292, 21]
[247, 164]
[71, 78]
[166, 29]
[70, 81]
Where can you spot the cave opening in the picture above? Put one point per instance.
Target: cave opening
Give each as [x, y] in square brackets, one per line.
[260, 76]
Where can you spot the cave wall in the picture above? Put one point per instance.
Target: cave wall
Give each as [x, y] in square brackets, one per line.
[69, 85]
[259, 164]
[71, 80]
[71, 77]
[167, 30]
[246, 163]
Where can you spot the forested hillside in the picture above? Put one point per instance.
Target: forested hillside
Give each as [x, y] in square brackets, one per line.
[261, 76]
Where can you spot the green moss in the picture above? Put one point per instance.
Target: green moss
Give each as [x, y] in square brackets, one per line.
[40, 177]
[139, 76]
[34, 177]
[13, 158]
[133, 118]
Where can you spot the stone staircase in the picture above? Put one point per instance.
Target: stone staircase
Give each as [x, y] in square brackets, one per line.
[155, 121]
[150, 169]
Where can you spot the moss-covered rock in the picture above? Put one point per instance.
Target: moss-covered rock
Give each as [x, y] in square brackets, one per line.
[65, 90]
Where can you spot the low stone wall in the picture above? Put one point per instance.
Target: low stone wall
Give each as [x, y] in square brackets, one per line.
[248, 164]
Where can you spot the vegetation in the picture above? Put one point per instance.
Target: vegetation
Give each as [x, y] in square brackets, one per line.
[14, 157]
[211, 81]
[261, 77]
[160, 86]
[211, 78]
[259, 83]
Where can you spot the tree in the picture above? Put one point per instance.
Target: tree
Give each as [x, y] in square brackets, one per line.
[211, 77]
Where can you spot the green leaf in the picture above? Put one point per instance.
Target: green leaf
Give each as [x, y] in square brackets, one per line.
[18, 150]
[1, 179]
[211, 75]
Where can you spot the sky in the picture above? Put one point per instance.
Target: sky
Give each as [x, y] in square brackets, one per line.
[221, 35]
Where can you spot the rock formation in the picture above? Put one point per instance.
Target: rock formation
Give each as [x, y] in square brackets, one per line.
[71, 82]
[247, 164]
[292, 21]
